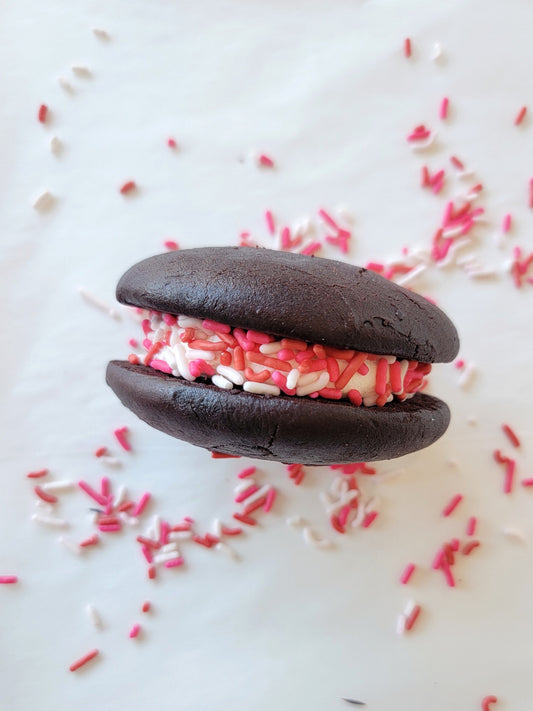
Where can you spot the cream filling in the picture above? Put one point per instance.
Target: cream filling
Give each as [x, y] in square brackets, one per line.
[260, 363]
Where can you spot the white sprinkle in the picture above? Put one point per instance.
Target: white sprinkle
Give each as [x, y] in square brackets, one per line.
[336, 485]
[346, 499]
[306, 378]
[400, 624]
[94, 616]
[44, 507]
[404, 279]
[304, 390]
[303, 227]
[325, 498]
[480, 273]
[183, 366]
[423, 145]
[360, 515]
[467, 375]
[217, 527]
[121, 495]
[44, 202]
[295, 521]
[156, 527]
[515, 534]
[436, 52]
[221, 382]
[243, 485]
[65, 85]
[56, 146]
[189, 322]
[194, 353]
[129, 520]
[92, 516]
[63, 485]
[179, 535]
[51, 521]
[409, 608]
[345, 214]
[270, 348]
[261, 388]
[292, 378]
[262, 491]
[112, 462]
[231, 374]
[164, 557]
[101, 34]
[227, 550]
[98, 303]
[311, 538]
[70, 545]
[82, 72]
[173, 546]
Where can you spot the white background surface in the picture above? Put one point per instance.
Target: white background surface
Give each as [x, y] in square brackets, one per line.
[324, 88]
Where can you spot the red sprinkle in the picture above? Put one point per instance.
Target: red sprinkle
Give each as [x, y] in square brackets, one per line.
[222, 455]
[469, 547]
[246, 472]
[509, 476]
[269, 218]
[151, 572]
[443, 111]
[369, 519]
[8, 579]
[511, 435]
[42, 113]
[128, 187]
[471, 526]
[527, 482]
[101, 452]
[171, 244]
[121, 437]
[270, 498]
[171, 143]
[91, 541]
[487, 702]
[265, 161]
[255, 505]
[407, 47]
[134, 632]
[45, 496]
[457, 163]
[141, 504]
[243, 518]
[407, 572]
[520, 116]
[246, 493]
[83, 660]
[452, 505]
[413, 617]
[146, 606]
[37, 475]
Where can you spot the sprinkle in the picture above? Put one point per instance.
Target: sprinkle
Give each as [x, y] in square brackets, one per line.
[265, 161]
[467, 375]
[37, 474]
[511, 435]
[109, 527]
[42, 114]
[146, 606]
[246, 472]
[227, 550]
[128, 187]
[412, 618]
[134, 632]
[44, 201]
[407, 47]
[50, 521]
[94, 616]
[452, 505]
[269, 219]
[92, 493]
[151, 572]
[101, 34]
[520, 116]
[141, 504]
[101, 452]
[170, 244]
[82, 72]
[407, 572]
[369, 519]
[98, 303]
[445, 567]
[509, 476]
[175, 562]
[515, 533]
[83, 660]
[121, 436]
[469, 547]
[261, 388]
[91, 541]
[270, 498]
[471, 526]
[443, 111]
[63, 485]
[527, 482]
[56, 146]
[311, 248]
[243, 518]
[70, 545]
[171, 143]
[223, 455]
[65, 85]
[487, 702]
[8, 579]
[457, 163]
[246, 493]
[506, 223]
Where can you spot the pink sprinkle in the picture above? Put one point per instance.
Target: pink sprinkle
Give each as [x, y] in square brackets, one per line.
[243, 518]
[258, 337]
[175, 562]
[38, 474]
[311, 248]
[471, 526]
[452, 505]
[407, 572]
[469, 547]
[161, 365]
[146, 606]
[369, 519]
[443, 112]
[171, 143]
[459, 363]
[92, 493]
[438, 559]
[171, 244]
[215, 326]
[265, 161]
[141, 504]
[109, 527]
[412, 618]
[147, 553]
[506, 223]
[246, 472]
[151, 572]
[8, 579]
[91, 541]
[527, 482]
[457, 163]
[128, 187]
[83, 660]
[407, 47]
[45, 496]
[509, 432]
[328, 219]
[509, 476]
[419, 135]
[246, 493]
[135, 631]
[269, 218]
[42, 113]
[448, 574]
[520, 116]
[271, 497]
[487, 702]
[121, 436]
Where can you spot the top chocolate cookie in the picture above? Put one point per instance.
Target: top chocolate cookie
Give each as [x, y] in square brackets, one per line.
[294, 296]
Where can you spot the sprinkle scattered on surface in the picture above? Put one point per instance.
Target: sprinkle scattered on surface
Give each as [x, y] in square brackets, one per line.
[82, 661]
